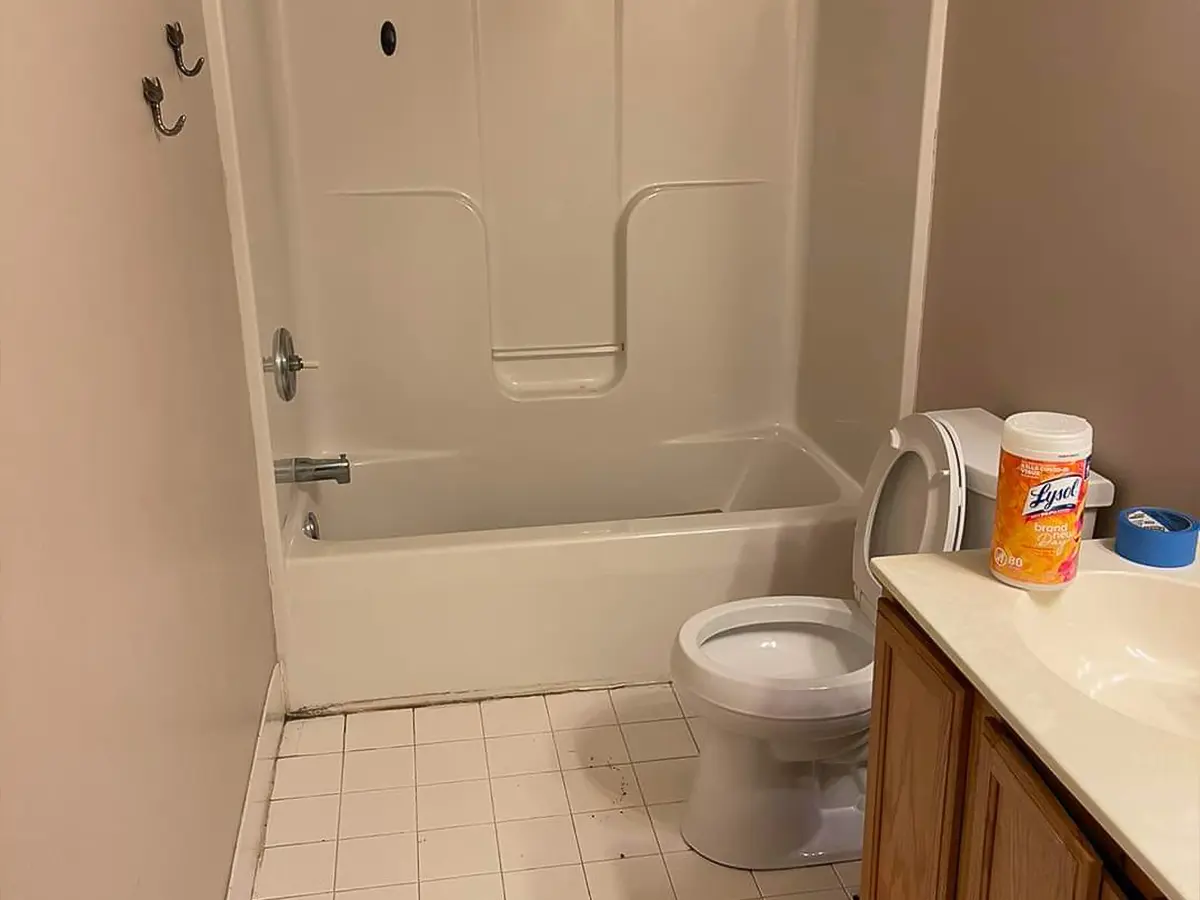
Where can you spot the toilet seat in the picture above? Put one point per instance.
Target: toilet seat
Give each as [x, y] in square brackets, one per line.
[913, 501]
[836, 686]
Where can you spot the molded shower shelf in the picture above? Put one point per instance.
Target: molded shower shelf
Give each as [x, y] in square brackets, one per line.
[565, 371]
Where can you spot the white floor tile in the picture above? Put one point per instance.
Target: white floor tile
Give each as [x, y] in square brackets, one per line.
[529, 796]
[382, 728]
[607, 787]
[369, 813]
[304, 820]
[521, 754]
[457, 852]
[839, 894]
[376, 861]
[671, 739]
[777, 882]
[850, 874]
[615, 834]
[689, 708]
[580, 709]
[537, 843]
[699, 729]
[391, 892]
[695, 878]
[452, 761]
[294, 870]
[515, 715]
[558, 883]
[647, 703]
[306, 737]
[453, 804]
[377, 770]
[667, 818]
[307, 776]
[640, 878]
[451, 722]
[473, 887]
[584, 747]
[666, 781]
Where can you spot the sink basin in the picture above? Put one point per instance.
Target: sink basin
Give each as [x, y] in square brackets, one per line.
[1128, 641]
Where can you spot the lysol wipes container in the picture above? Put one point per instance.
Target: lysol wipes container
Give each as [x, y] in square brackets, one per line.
[1042, 484]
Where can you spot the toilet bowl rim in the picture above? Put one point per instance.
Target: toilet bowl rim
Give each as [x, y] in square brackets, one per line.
[767, 611]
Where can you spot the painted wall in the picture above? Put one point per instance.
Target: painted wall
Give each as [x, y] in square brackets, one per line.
[135, 620]
[1066, 220]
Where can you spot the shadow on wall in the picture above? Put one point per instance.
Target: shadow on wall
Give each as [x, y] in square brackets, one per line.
[866, 153]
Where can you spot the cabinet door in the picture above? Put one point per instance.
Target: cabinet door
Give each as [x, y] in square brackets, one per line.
[1110, 891]
[916, 766]
[1019, 843]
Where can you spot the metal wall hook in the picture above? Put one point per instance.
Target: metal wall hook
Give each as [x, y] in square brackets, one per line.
[175, 39]
[152, 91]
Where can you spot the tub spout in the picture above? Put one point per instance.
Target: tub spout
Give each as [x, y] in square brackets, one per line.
[301, 469]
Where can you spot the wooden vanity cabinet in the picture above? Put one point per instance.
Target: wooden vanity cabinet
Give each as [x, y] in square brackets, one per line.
[920, 708]
[957, 808]
[1018, 842]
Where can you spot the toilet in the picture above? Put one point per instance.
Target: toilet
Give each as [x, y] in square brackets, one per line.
[784, 683]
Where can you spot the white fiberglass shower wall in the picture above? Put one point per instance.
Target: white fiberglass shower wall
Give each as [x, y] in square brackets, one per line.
[589, 202]
[585, 279]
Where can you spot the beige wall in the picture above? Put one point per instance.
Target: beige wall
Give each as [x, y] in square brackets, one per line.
[1063, 270]
[135, 630]
[864, 196]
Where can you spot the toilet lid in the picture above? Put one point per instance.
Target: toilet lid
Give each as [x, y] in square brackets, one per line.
[913, 501]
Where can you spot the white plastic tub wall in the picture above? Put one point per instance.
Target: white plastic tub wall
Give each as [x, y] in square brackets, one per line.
[512, 609]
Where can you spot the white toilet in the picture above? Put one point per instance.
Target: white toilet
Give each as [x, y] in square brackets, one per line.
[784, 683]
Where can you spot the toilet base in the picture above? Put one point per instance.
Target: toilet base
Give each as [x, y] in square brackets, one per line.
[749, 810]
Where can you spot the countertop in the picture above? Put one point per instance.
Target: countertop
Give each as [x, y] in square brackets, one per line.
[1142, 784]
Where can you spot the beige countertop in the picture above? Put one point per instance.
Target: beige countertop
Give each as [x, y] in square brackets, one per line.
[1140, 782]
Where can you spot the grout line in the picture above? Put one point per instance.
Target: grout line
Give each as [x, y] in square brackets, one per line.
[487, 768]
[562, 779]
[416, 809]
[337, 819]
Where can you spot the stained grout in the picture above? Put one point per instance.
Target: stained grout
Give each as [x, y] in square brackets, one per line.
[571, 813]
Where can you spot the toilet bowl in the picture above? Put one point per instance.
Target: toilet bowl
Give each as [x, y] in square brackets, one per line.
[784, 683]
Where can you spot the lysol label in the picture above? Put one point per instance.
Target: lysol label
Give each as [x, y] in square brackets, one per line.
[1052, 496]
[1039, 520]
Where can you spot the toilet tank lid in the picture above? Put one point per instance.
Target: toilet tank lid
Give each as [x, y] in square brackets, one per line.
[978, 434]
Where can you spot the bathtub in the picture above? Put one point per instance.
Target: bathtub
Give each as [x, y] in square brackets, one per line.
[458, 575]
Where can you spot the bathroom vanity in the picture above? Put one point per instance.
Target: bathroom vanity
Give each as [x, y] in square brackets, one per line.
[1034, 746]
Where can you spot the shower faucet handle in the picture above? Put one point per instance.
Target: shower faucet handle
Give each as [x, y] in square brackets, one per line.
[285, 362]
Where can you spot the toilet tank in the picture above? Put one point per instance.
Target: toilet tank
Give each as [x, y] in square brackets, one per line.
[978, 433]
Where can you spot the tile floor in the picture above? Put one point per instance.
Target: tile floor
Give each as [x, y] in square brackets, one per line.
[563, 797]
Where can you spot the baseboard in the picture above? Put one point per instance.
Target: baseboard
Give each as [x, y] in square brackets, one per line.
[258, 792]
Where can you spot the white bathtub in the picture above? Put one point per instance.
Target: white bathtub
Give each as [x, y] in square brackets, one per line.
[547, 567]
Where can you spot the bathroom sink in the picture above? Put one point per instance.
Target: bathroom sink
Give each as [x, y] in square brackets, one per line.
[1128, 641]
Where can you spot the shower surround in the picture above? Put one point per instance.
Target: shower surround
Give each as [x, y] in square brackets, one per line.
[577, 273]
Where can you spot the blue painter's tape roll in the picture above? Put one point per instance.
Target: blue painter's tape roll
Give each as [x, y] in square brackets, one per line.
[1157, 537]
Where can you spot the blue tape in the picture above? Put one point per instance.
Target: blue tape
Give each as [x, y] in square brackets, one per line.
[1157, 537]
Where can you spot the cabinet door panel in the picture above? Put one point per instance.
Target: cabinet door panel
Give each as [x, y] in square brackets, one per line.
[1020, 844]
[1110, 891]
[917, 761]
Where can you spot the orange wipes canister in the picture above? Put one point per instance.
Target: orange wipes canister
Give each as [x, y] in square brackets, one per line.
[1040, 494]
